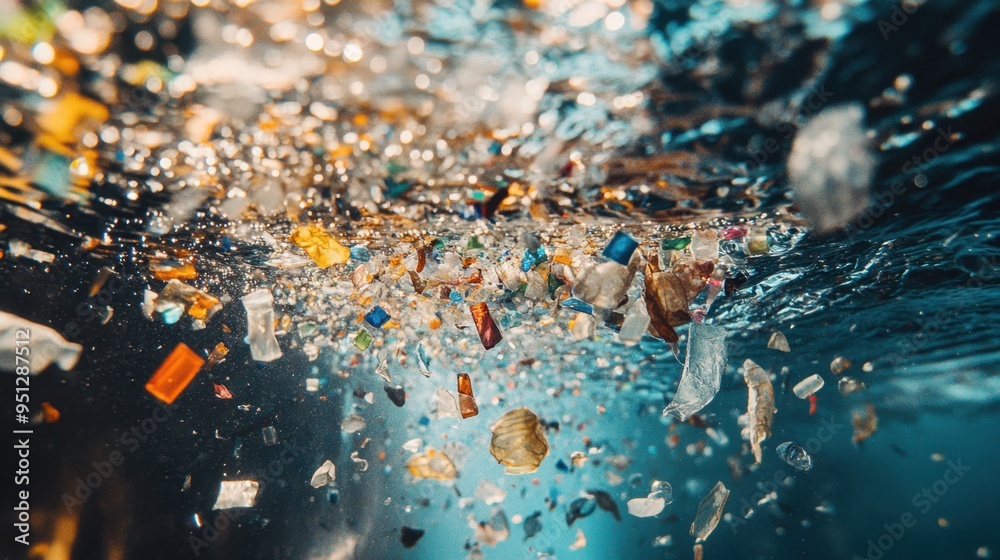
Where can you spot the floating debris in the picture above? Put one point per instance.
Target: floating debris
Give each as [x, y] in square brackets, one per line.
[635, 324]
[173, 270]
[848, 385]
[352, 423]
[607, 503]
[362, 340]
[410, 536]
[778, 342]
[620, 248]
[236, 494]
[325, 475]
[519, 442]
[580, 508]
[760, 407]
[489, 333]
[321, 247]
[218, 354]
[377, 317]
[865, 423]
[491, 532]
[580, 541]
[50, 414]
[532, 525]
[709, 512]
[177, 298]
[362, 464]
[703, 368]
[445, 404]
[808, 386]
[46, 346]
[466, 401]
[174, 374]
[259, 306]
[221, 391]
[490, 493]
[396, 394]
[646, 507]
[270, 435]
[839, 365]
[795, 456]
[432, 464]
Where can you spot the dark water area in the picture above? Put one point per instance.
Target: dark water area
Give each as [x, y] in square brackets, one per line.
[907, 290]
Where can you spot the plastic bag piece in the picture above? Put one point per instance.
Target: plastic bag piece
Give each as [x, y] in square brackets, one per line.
[174, 374]
[760, 407]
[489, 333]
[620, 248]
[325, 475]
[709, 512]
[703, 369]
[46, 346]
[321, 247]
[519, 442]
[466, 401]
[260, 326]
[432, 464]
[236, 493]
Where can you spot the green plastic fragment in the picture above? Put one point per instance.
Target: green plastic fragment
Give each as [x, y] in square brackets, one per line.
[363, 340]
[675, 244]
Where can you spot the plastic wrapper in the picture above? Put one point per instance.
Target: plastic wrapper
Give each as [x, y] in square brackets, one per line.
[703, 368]
[174, 374]
[760, 407]
[709, 512]
[519, 442]
[44, 346]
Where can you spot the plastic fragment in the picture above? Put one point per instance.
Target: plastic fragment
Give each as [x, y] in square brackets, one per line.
[312, 384]
[580, 541]
[839, 365]
[489, 333]
[22, 249]
[490, 493]
[321, 247]
[709, 512]
[603, 283]
[646, 507]
[221, 391]
[808, 386]
[259, 306]
[236, 493]
[409, 536]
[532, 525]
[362, 463]
[362, 340]
[46, 345]
[445, 404]
[432, 464]
[675, 244]
[377, 317]
[383, 371]
[466, 401]
[698, 552]
[361, 253]
[669, 294]
[794, 455]
[217, 355]
[173, 270]
[778, 342]
[582, 326]
[413, 445]
[491, 532]
[580, 508]
[636, 323]
[848, 385]
[607, 503]
[174, 374]
[865, 423]
[703, 368]
[270, 435]
[760, 407]
[177, 297]
[620, 248]
[519, 442]
[352, 423]
[396, 394]
[50, 413]
[757, 243]
[662, 489]
[325, 475]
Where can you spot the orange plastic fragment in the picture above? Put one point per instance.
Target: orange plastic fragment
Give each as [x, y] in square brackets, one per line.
[812, 405]
[489, 333]
[466, 401]
[221, 391]
[50, 413]
[174, 374]
[173, 271]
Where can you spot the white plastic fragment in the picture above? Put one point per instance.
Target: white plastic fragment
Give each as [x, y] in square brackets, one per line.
[636, 323]
[580, 541]
[413, 445]
[325, 475]
[778, 342]
[260, 326]
[646, 507]
[490, 493]
[44, 344]
[236, 493]
[808, 386]
[703, 369]
[352, 423]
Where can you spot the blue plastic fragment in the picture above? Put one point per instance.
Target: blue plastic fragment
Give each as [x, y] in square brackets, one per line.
[532, 258]
[578, 305]
[377, 317]
[361, 253]
[621, 247]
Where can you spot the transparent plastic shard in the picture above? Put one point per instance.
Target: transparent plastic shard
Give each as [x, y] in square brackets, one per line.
[709, 512]
[47, 345]
[236, 493]
[760, 407]
[703, 368]
[795, 456]
[260, 326]
[808, 386]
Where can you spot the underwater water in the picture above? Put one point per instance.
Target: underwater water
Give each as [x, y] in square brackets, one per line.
[644, 195]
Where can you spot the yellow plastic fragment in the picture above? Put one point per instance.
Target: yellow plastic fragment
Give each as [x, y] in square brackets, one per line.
[321, 247]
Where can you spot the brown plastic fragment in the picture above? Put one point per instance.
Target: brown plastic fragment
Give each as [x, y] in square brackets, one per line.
[699, 551]
[519, 442]
[489, 333]
[218, 353]
[174, 375]
[432, 464]
[466, 401]
[760, 407]
[669, 294]
[864, 423]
